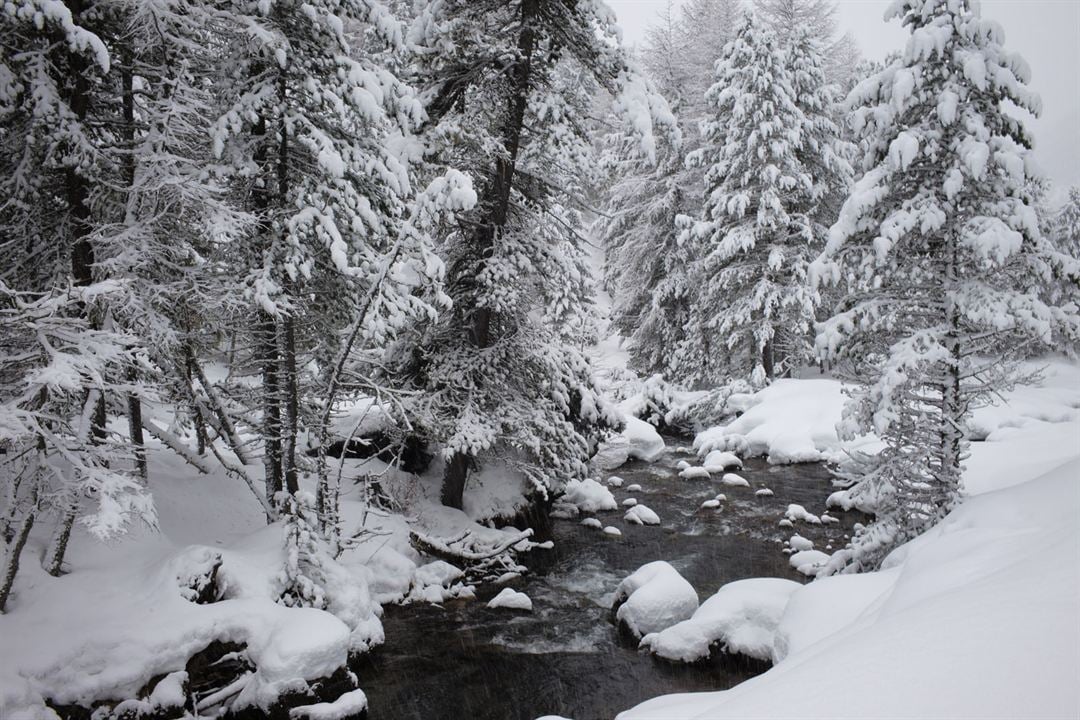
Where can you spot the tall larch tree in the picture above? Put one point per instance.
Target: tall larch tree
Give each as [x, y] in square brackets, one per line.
[504, 374]
[937, 248]
[751, 237]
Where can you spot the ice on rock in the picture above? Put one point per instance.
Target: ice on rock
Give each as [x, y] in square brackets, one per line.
[592, 523]
[682, 465]
[641, 515]
[629, 502]
[589, 496]
[711, 504]
[613, 531]
[633, 488]
[717, 461]
[741, 618]
[734, 480]
[764, 492]
[512, 600]
[798, 512]
[808, 562]
[693, 473]
[654, 597]
[615, 481]
[798, 543]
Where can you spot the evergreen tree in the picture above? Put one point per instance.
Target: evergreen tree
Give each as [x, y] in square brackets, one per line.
[754, 236]
[790, 19]
[937, 248]
[504, 374]
[1065, 226]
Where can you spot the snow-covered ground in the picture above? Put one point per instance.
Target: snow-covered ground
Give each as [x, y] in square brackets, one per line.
[978, 618]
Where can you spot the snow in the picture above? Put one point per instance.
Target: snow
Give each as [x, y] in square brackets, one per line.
[741, 618]
[798, 542]
[645, 442]
[589, 496]
[718, 461]
[764, 492]
[350, 704]
[790, 421]
[798, 512]
[641, 515]
[694, 473]
[734, 480]
[654, 597]
[710, 504]
[615, 481]
[592, 523]
[512, 600]
[808, 562]
[612, 531]
[629, 502]
[986, 602]
[633, 488]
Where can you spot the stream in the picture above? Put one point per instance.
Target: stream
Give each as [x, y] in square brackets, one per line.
[565, 658]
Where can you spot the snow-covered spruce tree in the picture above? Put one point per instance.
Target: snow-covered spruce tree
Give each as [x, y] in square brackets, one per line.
[790, 19]
[826, 158]
[1065, 225]
[937, 248]
[314, 134]
[646, 267]
[754, 237]
[506, 86]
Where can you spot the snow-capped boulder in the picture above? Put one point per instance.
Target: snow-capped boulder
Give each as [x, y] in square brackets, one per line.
[511, 599]
[612, 531]
[589, 496]
[592, 523]
[808, 562]
[741, 618]
[717, 461]
[798, 512]
[764, 492]
[652, 598]
[641, 515]
[694, 473]
[733, 480]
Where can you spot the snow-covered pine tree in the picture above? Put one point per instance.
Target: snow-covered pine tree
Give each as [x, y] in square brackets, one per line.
[753, 239]
[790, 19]
[937, 248]
[825, 157]
[507, 86]
[315, 134]
[645, 265]
[1065, 225]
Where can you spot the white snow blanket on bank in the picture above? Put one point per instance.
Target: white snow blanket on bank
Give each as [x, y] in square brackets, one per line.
[978, 618]
[741, 618]
[655, 597]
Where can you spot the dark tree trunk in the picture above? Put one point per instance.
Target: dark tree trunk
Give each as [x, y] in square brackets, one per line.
[768, 360]
[271, 396]
[11, 566]
[496, 211]
[290, 385]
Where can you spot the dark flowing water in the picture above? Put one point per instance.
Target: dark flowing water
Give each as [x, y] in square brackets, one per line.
[565, 658]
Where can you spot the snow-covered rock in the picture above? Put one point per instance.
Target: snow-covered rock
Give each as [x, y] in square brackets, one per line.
[710, 504]
[348, 705]
[633, 488]
[808, 562]
[641, 515]
[682, 465]
[734, 480]
[589, 496]
[644, 441]
[613, 531]
[799, 543]
[741, 618]
[615, 481]
[764, 492]
[629, 502]
[654, 597]
[717, 461]
[512, 600]
[592, 523]
[798, 512]
[694, 473]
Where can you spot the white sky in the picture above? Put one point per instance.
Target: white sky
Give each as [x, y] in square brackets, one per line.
[1045, 32]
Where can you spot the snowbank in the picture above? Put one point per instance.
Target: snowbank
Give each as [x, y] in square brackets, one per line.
[654, 597]
[977, 618]
[741, 617]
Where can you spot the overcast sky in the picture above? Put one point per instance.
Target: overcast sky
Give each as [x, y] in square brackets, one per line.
[1045, 32]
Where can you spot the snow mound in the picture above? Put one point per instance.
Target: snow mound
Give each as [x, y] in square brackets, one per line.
[654, 597]
[512, 600]
[798, 512]
[718, 461]
[589, 496]
[682, 465]
[613, 531]
[641, 515]
[798, 543]
[764, 492]
[629, 502]
[808, 562]
[351, 704]
[741, 618]
[734, 480]
[633, 488]
[709, 504]
[694, 473]
[615, 481]
[638, 439]
[592, 523]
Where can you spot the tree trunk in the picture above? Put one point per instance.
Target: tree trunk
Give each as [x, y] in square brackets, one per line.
[271, 397]
[11, 563]
[497, 209]
[55, 561]
[768, 360]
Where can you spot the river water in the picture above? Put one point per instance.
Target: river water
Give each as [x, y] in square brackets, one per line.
[565, 658]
